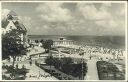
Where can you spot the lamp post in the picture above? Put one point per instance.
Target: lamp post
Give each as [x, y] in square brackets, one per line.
[82, 62]
[50, 53]
[82, 68]
[39, 65]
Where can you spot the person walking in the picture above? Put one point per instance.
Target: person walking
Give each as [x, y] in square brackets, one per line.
[30, 62]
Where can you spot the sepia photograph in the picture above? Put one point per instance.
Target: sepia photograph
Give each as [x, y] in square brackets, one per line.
[55, 41]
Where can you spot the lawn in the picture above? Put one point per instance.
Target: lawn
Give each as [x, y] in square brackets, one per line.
[109, 71]
[66, 67]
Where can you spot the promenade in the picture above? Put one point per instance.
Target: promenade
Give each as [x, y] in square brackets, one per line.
[92, 73]
[36, 73]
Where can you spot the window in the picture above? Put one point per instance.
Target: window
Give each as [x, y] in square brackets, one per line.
[10, 27]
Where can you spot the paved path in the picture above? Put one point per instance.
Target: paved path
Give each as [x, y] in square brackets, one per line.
[37, 73]
[92, 73]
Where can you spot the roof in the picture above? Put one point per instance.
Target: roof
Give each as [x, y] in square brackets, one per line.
[13, 16]
[4, 23]
[20, 26]
[12, 13]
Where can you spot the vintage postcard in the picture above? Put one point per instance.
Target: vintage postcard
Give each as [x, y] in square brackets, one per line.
[64, 41]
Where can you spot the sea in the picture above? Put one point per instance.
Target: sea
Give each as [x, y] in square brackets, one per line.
[116, 42]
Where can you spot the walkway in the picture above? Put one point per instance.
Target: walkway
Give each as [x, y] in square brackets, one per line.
[36, 73]
[92, 73]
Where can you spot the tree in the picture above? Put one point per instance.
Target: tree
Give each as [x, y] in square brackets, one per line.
[67, 60]
[47, 45]
[12, 45]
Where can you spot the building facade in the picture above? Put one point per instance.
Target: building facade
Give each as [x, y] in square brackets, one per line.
[63, 42]
[12, 22]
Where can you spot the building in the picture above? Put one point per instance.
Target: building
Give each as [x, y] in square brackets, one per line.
[63, 42]
[12, 22]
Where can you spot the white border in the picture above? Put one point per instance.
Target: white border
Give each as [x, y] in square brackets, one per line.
[126, 38]
[72, 1]
[126, 59]
[0, 46]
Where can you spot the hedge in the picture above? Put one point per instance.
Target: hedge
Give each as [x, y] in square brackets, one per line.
[108, 71]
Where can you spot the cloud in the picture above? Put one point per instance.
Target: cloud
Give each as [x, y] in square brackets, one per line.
[56, 18]
[27, 21]
[108, 24]
[121, 10]
[89, 11]
[102, 15]
[29, 24]
[53, 12]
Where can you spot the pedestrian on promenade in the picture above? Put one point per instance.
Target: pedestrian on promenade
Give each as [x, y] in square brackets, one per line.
[90, 57]
[30, 62]
[39, 75]
[35, 62]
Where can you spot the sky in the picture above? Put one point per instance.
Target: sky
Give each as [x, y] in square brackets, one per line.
[67, 18]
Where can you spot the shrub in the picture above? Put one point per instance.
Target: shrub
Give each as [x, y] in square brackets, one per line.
[74, 69]
[108, 71]
[15, 72]
[5, 77]
[67, 66]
